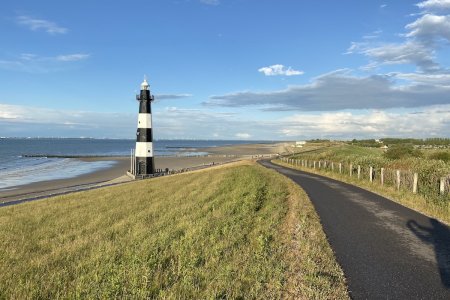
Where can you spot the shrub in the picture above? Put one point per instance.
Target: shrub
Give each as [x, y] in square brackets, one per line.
[402, 151]
[441, 155]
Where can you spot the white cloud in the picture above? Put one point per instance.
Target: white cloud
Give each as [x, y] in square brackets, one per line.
[210, 2]
[72, 57]
[429, 28]
[383, 5]
[410, 52]
[431, 5]
[340, 90]
[275, 70]
[33, 63]
[176, 123]
[436, 120]
[421, 78]
[171, 96]
[40, 24]
[243, 135]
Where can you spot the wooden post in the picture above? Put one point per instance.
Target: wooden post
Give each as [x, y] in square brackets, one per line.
[359, 172]
[340, 168]
[382, 176]
[398, 179]
[332, 166]
[442, 186]
[416, 177]
[371, 174]
[351, 170]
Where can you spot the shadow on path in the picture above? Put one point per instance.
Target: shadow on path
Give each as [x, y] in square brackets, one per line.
[438, 235]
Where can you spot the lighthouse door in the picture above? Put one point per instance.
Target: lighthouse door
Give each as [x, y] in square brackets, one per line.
[141, 168]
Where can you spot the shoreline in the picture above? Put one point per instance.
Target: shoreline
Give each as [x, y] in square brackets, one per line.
[117, 172]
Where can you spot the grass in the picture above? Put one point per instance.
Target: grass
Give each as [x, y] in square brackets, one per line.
[439, 210]
[239, 231]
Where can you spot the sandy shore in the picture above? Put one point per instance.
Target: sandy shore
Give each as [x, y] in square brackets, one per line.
[116, 173]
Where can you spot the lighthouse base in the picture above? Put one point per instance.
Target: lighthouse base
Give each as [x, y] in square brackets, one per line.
[145, 166]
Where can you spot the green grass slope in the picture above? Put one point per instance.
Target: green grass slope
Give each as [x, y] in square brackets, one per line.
[232, 232]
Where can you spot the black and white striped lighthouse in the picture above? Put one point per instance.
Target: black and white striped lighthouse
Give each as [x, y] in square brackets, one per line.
[144, 162]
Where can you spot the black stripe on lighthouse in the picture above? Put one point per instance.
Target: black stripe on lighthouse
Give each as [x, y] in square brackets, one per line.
[144, 135]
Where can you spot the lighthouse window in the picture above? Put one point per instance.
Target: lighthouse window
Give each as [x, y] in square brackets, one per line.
[148, 151]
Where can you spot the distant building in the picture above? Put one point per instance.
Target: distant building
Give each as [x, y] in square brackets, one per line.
[300, 144]
[385, 147]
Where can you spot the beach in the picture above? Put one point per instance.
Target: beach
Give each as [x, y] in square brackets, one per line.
[116, 173]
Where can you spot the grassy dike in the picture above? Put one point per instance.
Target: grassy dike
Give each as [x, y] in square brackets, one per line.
[237, 231]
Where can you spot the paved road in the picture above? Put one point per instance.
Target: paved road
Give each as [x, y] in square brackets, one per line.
[387, 251]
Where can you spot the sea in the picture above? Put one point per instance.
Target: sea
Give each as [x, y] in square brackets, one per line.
[28, 160]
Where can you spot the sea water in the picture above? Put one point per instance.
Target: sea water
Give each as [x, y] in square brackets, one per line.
[27, 160]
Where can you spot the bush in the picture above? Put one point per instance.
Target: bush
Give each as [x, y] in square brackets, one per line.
[402, 151]
[442, 155]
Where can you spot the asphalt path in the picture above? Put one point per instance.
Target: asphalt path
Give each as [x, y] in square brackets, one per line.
[386, 251]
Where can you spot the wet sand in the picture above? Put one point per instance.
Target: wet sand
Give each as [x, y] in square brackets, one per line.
[117, 172]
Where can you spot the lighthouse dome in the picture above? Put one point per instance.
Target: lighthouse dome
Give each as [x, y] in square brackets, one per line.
[144, 84]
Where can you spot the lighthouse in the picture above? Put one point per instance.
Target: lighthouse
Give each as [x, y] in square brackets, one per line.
[144, 163]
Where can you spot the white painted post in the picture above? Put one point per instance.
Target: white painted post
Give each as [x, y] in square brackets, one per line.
[314, 164]
[371, 174]
[340, 168]
[351, 170]
[442, 186]
[416, 177]
[359, 172]
[320, 163]
[382, 176]
[133, 164]
[398, 179]
[332, 166]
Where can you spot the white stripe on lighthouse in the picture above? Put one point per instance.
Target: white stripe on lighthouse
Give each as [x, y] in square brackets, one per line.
[145, 121]
[144, 149]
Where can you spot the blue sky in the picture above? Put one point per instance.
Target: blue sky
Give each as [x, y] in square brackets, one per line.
[225, 69]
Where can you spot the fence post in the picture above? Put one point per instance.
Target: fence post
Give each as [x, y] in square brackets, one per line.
[398, 179]
[359, 172]
[320, 162]
[442, 186]
[332, 166]
[340, 168]
[371, 174]
[351, 170]
[416, 176]
[382, 176]
[314, 165]
[131, 161]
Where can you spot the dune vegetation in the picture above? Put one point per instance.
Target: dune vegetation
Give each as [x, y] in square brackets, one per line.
[236, 231]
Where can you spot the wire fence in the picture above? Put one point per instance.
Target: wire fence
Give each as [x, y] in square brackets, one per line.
[430, 185]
